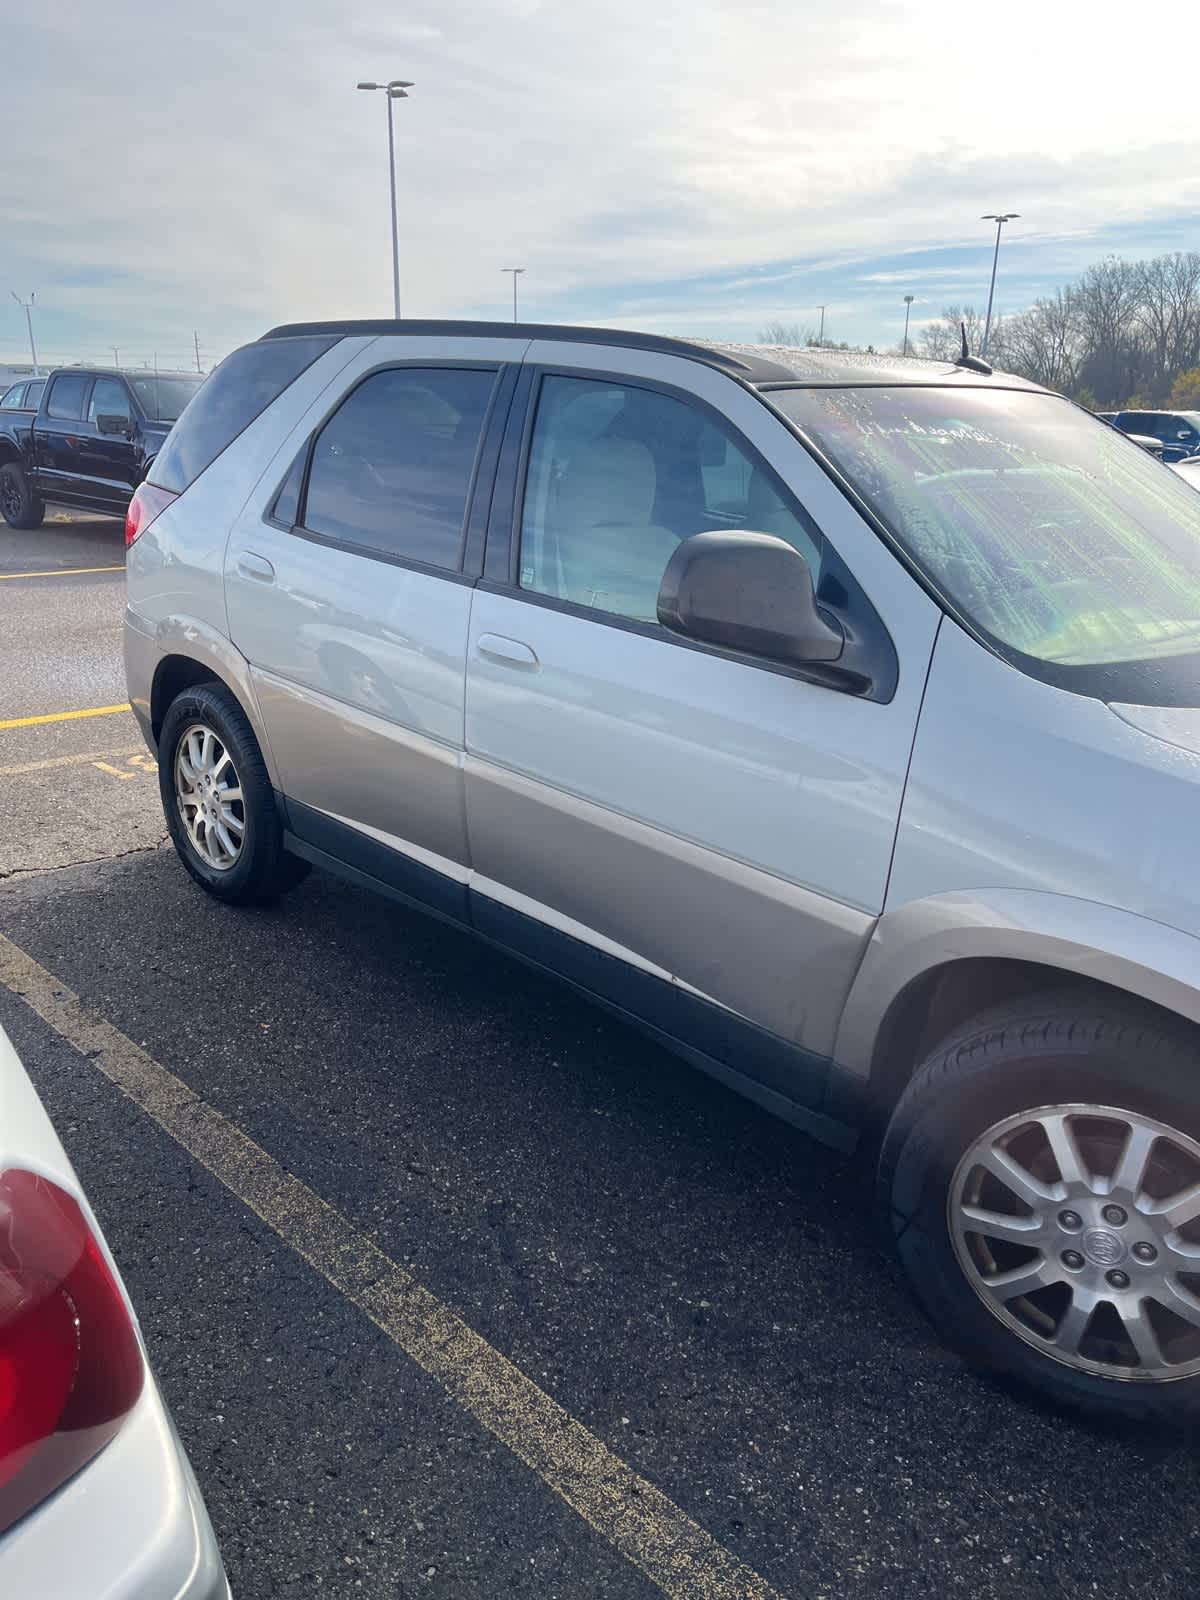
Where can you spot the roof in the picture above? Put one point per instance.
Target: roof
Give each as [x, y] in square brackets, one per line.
[763, 366]
[819, 368]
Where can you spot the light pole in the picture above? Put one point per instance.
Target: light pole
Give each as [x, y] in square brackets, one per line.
[516, 273]
[908, 300]
[821, 331]
[395, 89]
[999, 218]
[27, 307]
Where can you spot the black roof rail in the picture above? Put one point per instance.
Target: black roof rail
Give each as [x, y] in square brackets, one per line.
[749, 368]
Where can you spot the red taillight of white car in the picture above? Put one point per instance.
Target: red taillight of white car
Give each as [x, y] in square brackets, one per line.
[148, 501]
[71, 1368]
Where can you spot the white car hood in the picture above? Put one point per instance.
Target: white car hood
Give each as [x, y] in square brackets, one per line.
[1177, 725]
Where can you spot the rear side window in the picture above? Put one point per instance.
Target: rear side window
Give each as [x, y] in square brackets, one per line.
[240, 389]
[33, 395]
[392, 467]
[66, 396]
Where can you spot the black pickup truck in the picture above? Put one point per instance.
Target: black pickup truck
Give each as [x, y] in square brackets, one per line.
[90, 441]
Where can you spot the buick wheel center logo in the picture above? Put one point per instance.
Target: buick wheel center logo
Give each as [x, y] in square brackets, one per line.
[1102, 1247]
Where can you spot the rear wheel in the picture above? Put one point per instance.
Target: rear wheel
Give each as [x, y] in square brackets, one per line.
[218, 800]
[1042, 1176]
[19, 505]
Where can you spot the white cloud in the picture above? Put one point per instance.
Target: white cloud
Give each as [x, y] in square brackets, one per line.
[214, 166]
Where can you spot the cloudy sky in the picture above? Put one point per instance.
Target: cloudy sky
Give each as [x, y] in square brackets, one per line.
[691, 166]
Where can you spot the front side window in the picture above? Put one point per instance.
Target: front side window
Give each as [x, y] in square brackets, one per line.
[14, 398]
[1065, 546]
[391, 469]
[66, 396]
[109, 398]
[618, 476]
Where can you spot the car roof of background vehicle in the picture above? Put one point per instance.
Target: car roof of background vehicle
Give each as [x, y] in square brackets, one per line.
[760, 365]
[121, 372]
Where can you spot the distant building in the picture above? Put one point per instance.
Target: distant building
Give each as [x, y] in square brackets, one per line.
[10, 371]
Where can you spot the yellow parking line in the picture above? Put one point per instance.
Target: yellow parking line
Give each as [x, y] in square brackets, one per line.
[81, 760]
[638, 1520]
[65, 716]
[57, 572]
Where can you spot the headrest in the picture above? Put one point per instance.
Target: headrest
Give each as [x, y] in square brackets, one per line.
[607, 480]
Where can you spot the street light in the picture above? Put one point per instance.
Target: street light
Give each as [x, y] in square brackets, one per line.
[908, 300]
[516, 273]
[999, 218]
[395, 89]
[27, 307]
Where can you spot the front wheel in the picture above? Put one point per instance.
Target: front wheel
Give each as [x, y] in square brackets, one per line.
[218, 800]
[19, 505]
[1042, 1178]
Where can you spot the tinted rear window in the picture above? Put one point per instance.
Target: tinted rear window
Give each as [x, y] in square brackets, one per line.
[240, 389]
[66, 396]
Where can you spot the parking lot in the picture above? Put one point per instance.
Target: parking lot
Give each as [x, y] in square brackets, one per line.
[456, 1287]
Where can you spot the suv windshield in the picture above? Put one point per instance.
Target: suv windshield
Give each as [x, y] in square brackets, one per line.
[163, 399]
[1059, 540]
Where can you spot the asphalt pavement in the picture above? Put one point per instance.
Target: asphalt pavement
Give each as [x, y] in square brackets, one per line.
[79, 787]
[698, 1286]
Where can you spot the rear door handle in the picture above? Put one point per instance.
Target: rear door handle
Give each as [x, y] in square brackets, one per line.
[258, 567]
[511, 651]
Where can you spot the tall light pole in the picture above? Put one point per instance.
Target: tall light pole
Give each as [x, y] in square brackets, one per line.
[821, 331]
[908, 300]
[999, 218]
[394, 89]
[27, 307]
[516, 273]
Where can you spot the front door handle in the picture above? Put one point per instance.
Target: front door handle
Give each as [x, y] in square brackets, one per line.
[258, 567]
[511, 651]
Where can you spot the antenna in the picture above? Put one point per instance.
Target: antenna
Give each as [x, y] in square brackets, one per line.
[967, 360]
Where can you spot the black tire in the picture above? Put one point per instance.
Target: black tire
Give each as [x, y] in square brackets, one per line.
[263, 870]
[1063, 1049]
[20, 506]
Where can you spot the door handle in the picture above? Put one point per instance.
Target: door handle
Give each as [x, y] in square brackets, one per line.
[258, 567]
[511, 651]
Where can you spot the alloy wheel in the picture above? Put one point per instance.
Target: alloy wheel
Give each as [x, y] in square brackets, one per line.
[209, 795]
[10, 495]
[1078, 1226]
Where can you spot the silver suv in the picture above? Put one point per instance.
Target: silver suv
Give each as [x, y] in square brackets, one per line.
[836, 719]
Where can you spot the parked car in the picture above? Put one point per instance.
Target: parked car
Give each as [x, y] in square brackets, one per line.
[88, 445]
[1177, 431]
[1152, 446]
[96, 1495]
[833, 718]
[23, 396]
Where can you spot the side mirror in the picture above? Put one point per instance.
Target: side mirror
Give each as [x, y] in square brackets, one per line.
[112, 422]
[750, 592]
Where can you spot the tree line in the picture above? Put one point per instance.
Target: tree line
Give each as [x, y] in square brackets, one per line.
[1126, 334]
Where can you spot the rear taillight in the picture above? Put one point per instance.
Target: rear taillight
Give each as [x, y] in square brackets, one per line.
[70, 1365]
[147, 502]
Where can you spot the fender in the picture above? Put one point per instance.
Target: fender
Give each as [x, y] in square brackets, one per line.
[1079, 938]
[147, 644]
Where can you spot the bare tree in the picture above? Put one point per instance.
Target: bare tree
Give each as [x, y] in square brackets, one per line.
[1168, 290]
[942, 340]
[1045, 343]
[785, 333]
